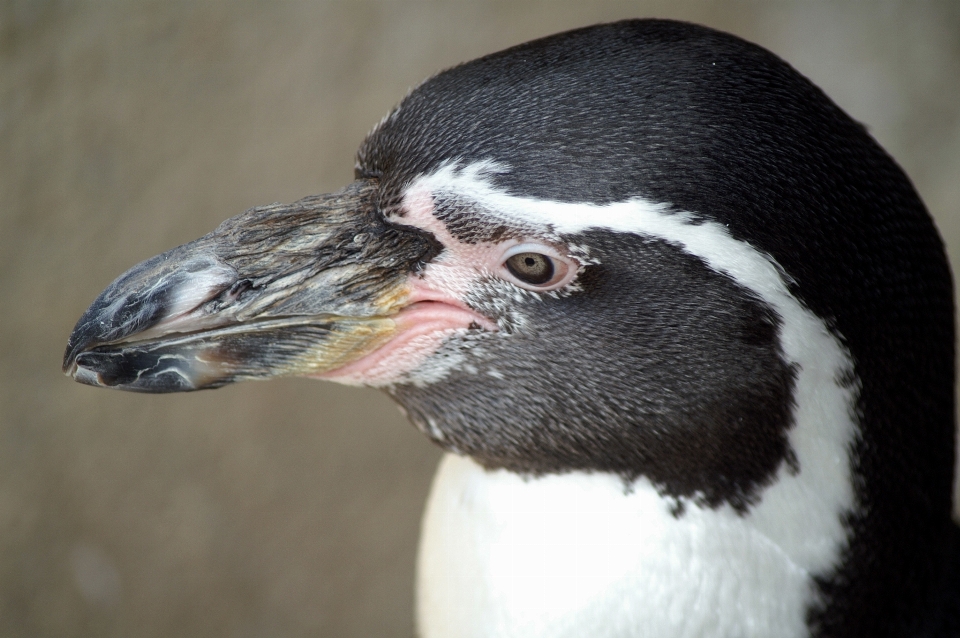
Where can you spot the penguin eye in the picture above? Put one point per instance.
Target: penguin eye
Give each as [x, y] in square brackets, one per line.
[531, 268]
[537, 267]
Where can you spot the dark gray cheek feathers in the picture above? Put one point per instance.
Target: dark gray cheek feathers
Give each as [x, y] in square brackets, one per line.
[659, 367]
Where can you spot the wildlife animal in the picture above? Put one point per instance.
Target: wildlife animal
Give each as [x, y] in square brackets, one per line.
[683, 328]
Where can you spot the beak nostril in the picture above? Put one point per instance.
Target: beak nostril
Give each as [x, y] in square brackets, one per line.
[238, 288]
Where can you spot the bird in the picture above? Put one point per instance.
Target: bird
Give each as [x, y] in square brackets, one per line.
[683, 329]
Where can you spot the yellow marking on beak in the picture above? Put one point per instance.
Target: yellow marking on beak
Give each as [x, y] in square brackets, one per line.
[353, 340]
[394, 300]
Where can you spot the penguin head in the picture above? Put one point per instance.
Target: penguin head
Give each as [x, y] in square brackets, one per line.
[691, 193]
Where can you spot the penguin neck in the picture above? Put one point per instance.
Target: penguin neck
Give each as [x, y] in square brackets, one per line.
[584, 554]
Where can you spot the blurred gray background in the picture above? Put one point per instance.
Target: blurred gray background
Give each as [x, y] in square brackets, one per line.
[287, 508]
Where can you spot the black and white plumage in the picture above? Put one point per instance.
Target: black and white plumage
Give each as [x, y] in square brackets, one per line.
[685, 328]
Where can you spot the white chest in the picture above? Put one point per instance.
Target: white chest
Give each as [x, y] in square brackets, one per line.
[574, 555]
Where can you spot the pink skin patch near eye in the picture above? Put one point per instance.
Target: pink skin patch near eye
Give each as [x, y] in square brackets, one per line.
[422, 328]
[435, 309]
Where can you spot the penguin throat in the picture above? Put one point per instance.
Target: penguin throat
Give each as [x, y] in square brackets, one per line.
[573, 554]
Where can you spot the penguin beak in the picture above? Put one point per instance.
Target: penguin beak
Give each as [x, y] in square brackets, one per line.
[280, 290]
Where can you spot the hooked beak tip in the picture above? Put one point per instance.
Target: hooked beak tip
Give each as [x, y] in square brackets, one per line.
[85, 376]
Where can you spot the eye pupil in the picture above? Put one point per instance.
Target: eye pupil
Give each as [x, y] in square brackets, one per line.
[531, 268]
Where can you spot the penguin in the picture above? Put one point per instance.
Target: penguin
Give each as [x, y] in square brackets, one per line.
[683, 328]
